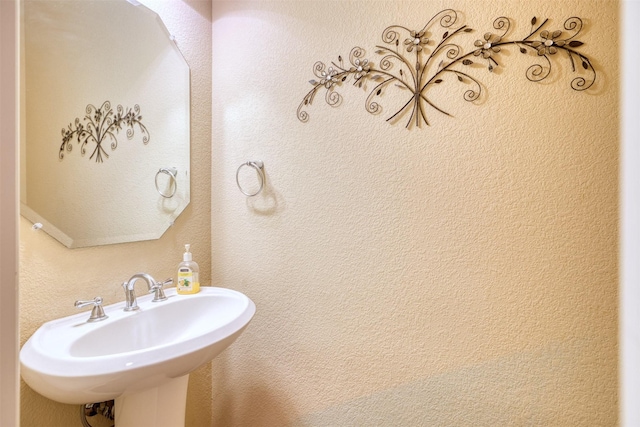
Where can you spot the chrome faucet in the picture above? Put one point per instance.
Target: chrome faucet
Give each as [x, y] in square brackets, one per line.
[131, 303]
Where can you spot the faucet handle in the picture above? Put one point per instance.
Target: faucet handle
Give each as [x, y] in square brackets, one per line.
[97, 313]
[158, 291]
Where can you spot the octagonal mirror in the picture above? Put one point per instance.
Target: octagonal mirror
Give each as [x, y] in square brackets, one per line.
[105, 119]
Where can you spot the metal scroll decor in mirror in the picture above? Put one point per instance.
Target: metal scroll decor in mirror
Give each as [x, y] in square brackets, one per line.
[102, 125]
[110, 76]
[418, 63]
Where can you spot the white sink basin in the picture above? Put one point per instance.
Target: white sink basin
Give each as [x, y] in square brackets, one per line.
[73, 361]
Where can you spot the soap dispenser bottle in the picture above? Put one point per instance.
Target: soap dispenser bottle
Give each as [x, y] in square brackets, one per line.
[188, 282]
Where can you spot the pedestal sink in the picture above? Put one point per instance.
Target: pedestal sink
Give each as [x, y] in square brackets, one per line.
[142, 359]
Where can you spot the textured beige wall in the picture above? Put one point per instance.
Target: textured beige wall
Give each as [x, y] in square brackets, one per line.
[52, 277]
[462, 274]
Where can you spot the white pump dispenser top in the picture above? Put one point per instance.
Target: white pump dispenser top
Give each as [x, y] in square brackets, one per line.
[187, 255]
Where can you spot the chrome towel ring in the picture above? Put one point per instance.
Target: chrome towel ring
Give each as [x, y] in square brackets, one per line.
[259, 167]
[173, 182]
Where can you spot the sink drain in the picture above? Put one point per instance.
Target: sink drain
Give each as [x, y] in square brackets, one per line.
[101, 413]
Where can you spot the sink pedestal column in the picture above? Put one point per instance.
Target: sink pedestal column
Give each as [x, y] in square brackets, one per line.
[162, 406]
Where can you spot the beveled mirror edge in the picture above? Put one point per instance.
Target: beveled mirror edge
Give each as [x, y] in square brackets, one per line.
[51, 229]
[70, 243]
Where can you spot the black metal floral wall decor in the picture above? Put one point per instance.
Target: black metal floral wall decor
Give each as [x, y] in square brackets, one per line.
[417, 61]
[101, 126]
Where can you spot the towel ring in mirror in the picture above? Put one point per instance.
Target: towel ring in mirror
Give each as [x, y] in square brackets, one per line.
[173, 183]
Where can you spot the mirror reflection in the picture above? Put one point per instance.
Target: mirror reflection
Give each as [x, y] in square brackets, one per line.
[105, 152]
